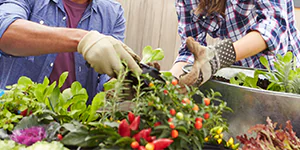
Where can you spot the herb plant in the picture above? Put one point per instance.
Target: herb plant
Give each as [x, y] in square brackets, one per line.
[286, 78]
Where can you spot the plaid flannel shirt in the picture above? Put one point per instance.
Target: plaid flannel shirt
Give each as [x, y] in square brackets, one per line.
[274, 19]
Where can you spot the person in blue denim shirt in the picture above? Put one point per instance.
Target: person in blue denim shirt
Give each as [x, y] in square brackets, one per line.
[43, 38]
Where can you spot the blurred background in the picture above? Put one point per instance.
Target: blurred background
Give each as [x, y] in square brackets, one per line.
[154, 23]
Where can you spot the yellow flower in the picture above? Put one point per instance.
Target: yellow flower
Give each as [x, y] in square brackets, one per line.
[219, 141]
[230, 141]
[206, 139]
[216, 136]
[221, 135]
[220, 130]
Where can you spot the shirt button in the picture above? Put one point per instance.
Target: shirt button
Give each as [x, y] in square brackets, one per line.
[51, 65]
[79, 68]
[64, 18]
[42, 22]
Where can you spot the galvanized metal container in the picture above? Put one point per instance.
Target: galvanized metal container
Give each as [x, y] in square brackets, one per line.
[253, 106]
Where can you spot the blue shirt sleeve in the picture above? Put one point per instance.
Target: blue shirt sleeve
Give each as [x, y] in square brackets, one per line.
[11, 10]
[119, 28]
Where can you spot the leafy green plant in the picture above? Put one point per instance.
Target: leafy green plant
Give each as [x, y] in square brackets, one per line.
[150, 55]
[174, 119]
[284, 79]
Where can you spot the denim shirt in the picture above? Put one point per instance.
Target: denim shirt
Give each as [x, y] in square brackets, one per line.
[105, 16]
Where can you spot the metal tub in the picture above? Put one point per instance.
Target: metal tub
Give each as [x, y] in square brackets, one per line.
[253, 106]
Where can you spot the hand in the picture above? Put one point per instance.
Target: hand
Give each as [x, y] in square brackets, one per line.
[105, 54]
[208, 60]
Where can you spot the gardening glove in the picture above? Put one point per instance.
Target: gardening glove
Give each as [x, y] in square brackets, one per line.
[105, 54]
[208, 60]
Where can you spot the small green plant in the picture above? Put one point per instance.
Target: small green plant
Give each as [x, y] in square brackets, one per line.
[286, 78]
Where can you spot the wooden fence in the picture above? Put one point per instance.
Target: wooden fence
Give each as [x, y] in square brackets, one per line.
[154, 23]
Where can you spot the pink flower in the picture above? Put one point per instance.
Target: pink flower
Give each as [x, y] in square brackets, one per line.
[28, 136]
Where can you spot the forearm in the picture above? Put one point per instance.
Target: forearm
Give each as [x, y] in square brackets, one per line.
[25, 38]
[249, 45]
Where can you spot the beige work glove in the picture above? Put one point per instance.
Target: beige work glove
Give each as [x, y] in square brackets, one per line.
[105, 54]
[208, 60]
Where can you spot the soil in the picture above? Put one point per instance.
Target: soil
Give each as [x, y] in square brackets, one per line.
[263, 83]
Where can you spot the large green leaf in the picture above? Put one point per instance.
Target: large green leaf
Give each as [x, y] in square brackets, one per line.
[98, 102]
[28, 122]
[62, 79]
[24, 81]
[150, 55]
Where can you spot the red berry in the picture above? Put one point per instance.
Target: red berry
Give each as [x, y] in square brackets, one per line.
[135, 144]
[172, 126]
[206, 116]
[24, 113]
[141, 148]
[59, 136]
[198, 125]
[206, 101]
[157, 124]
[199, 119]
[165, 92]
[172, 112]
[170, 119]
[174, 82]
[174, 133]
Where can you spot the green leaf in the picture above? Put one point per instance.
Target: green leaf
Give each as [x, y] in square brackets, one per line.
[196, 142]
[76, 87]
[43, 145]
[54, 99]
[264, 62]
[52, 129]
[28, 122]
[124, 141]
[24, 81]
[74, 138]
[184, 137]
[167, 74]
[150, 55]
[98, 102]
[112, 124]
[161, 127]
[62, 79]
[182, 128]
[110, 84]
[288, 57]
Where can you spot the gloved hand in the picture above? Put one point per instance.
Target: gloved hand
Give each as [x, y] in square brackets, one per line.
[208, 60]
[105, 54]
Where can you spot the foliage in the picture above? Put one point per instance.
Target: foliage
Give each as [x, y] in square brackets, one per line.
[157, 115]
[286, 78]
[150, 55]
[271, 138]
